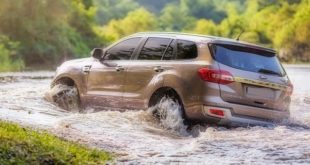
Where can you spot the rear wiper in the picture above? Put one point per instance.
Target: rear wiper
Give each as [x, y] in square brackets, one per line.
[269, 72]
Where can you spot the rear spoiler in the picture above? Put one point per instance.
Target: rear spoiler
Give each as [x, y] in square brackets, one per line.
[242, 44]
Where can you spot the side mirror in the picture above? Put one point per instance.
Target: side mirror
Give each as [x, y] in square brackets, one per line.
[97, 53]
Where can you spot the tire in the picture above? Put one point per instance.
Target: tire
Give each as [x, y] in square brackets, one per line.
[169, 111]
[164, 94]
[66, 97]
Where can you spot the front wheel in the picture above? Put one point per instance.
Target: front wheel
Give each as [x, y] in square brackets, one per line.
[66, 97]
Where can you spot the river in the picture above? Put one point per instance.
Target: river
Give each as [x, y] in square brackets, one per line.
[136, 138]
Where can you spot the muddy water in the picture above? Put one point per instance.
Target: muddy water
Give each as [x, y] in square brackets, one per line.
[137, 138]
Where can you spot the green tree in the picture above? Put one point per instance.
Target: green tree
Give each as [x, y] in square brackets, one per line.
[136, 21]
[206, 9]
[9, 60]
[176, 17]
[293, 39]
[49, 31]
[111, 9]
[204, 26]
[82, 22]
[39, 26]
[155, 6]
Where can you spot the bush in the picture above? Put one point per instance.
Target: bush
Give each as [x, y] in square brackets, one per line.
[8, 59]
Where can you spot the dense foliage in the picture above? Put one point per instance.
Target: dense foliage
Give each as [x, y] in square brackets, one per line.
[9, 61]
[24, 146]
[47, 32]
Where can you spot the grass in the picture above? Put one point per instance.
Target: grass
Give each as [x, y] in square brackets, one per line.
[20, 145]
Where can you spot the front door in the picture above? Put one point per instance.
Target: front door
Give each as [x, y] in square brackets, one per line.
[105, 85]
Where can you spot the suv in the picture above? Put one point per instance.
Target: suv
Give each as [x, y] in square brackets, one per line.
[213, 79]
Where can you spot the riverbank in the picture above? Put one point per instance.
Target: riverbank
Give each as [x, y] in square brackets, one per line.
[20, 145]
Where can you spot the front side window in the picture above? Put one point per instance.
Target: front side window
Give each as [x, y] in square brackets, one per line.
[186, 50]
[122, 50]
[154, 48]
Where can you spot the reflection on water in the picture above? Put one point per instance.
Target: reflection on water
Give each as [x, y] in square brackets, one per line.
[136, 137]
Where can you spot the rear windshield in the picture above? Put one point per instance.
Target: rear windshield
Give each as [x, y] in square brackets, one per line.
[248, 59]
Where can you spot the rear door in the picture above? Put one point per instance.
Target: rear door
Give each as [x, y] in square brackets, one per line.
[259, 79]
[144, 71]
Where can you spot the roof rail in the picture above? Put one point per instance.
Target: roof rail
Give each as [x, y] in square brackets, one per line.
[176, 33]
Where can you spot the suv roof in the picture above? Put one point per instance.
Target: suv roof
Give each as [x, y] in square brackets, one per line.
[201, 38]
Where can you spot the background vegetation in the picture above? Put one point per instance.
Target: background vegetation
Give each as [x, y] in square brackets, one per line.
[23, 146]
[46, 32]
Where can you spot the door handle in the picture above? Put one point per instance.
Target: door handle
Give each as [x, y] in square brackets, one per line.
[158, 69]
[86, 69]
[119, 68]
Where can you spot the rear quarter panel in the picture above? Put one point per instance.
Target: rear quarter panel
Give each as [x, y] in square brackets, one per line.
[183, 77]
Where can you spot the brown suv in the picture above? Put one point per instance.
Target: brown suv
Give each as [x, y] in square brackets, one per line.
[213, 79]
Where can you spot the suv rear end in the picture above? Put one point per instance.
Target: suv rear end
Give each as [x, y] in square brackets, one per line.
[245, 84]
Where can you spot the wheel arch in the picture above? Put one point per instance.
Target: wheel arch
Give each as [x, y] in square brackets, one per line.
[66, 80]
[171, 92]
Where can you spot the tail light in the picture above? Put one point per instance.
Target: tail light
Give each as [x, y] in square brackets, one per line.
[289, 89]
[217, 112]
[215, 76]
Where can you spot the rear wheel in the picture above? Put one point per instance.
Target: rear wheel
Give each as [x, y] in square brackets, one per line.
[66, 97]
[168, 110]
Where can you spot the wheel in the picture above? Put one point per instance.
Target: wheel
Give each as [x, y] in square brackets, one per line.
[66, 97]
[169, 111]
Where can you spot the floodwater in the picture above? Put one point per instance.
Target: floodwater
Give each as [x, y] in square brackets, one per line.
[137, 138]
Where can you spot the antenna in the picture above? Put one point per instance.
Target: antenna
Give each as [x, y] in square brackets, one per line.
[242, 31]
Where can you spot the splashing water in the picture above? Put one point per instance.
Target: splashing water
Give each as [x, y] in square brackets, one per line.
[64, 96]
[169, 114]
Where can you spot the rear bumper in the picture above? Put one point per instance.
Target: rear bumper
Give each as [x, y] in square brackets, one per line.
[244, 113]
[230, 118]
[236, 114]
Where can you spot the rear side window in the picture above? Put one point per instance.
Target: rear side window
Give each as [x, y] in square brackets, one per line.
[154, 48]
[122, 50]
[169, 54]
[186, 50]
[248, 59]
